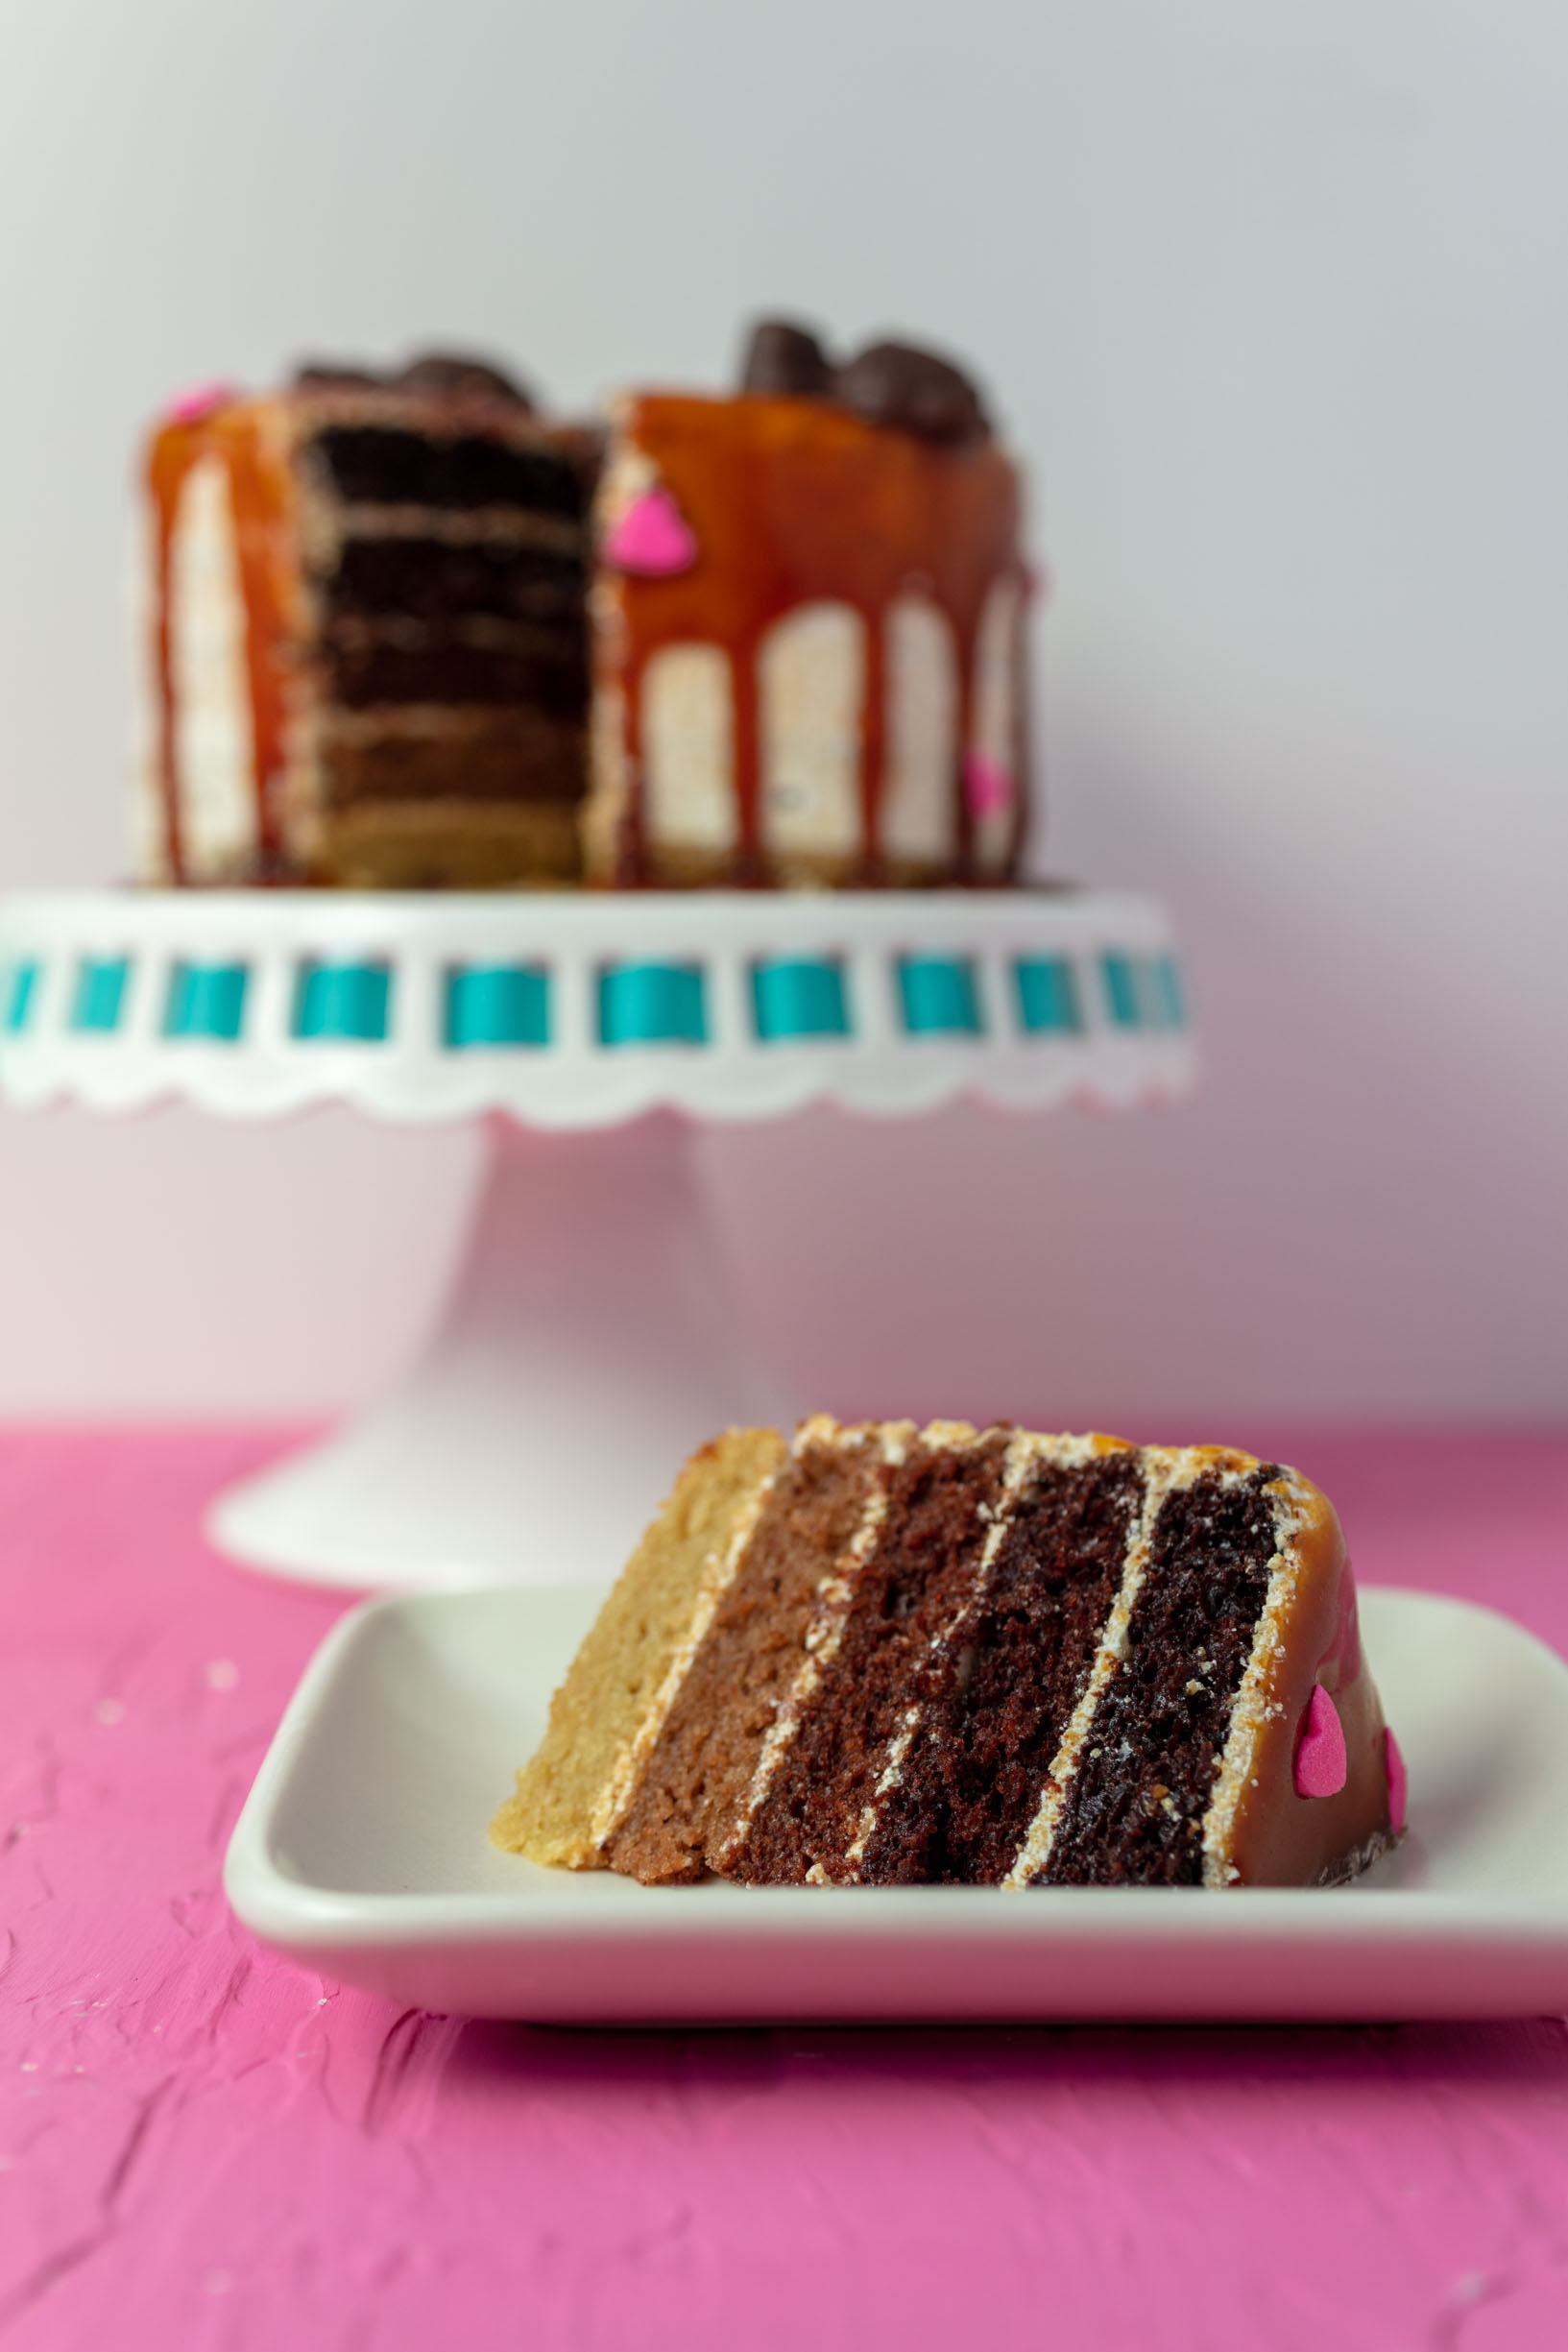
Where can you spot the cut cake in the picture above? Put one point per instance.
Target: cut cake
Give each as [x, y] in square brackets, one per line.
[891, 1655]
[405, 632]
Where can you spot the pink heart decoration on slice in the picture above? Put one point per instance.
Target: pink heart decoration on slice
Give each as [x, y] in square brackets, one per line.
[190, 408]
[653, 537]
[1321, 1764]
[1398, 1782]
[988, 788]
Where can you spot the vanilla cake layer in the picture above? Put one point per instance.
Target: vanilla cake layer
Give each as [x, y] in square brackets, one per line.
[974, 1657]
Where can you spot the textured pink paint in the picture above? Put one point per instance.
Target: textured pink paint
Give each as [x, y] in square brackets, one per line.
[1398, 1782]
[202, 2148]
[1321, 1765]
[652, 537]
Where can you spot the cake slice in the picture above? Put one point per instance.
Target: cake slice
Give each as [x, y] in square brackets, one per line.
[888, 1654]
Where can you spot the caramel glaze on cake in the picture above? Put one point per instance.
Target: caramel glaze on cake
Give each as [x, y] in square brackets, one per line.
[894, 1654]
[798, 503]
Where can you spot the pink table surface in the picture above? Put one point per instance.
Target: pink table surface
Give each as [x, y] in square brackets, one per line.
[201, 2145]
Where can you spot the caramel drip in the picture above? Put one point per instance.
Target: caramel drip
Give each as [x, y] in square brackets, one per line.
[1027, 801]
[163, 486]
[631, 846]
[263, 498]
[793, 502]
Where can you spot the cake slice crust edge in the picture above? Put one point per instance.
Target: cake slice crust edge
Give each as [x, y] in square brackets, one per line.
[611, 1704]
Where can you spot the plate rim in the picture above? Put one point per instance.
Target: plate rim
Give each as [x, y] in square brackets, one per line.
[294, 1914]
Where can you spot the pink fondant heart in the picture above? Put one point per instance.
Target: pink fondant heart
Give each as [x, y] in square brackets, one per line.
[1321, 1765]
[1398, 1782]
[190, 408]
[652, 537]
[987, 786]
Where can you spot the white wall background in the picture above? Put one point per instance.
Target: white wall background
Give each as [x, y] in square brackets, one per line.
[1274, 301]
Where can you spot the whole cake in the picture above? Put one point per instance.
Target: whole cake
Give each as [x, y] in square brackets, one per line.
[888, 1654]
[406, 632]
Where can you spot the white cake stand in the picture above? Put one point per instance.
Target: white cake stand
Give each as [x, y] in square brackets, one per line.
[590, 1338]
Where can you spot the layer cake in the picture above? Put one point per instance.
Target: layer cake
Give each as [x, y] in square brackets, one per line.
[405, 632]
[890, 1655]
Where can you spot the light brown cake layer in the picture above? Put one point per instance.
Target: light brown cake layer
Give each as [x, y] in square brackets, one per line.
[568, 1795]
[691, 1791]
[448, 844]
[433, 752]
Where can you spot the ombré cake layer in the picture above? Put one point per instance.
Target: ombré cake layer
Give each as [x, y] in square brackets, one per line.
[889, 1655]
[368, 648]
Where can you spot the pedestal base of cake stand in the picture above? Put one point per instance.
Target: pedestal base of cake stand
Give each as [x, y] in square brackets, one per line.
[591, 1340]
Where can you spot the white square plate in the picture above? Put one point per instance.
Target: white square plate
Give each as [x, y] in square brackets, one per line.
[362, 1853]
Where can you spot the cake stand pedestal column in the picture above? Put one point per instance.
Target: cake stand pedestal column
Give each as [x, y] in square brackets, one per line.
[590, 1342]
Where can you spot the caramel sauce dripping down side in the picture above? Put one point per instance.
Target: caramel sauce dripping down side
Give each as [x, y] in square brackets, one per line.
[796, 502]
[250, 441]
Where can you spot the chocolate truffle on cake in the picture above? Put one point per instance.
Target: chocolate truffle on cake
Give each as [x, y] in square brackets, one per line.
[889, 1655]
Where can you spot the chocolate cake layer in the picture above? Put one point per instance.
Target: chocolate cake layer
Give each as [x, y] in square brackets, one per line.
[453, 669]
[432, 579]
[975, 1769]
[909, 1593]
[1134, 1811]
[693, 1787]
[436, 753]
[395, 466]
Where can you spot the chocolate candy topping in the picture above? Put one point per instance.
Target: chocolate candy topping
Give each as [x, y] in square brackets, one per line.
[326, 375]
[447, 376]
[783, 357]
[433, 375]
[898, 384]
[887, 384]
